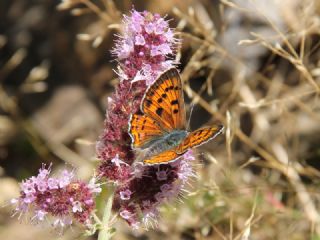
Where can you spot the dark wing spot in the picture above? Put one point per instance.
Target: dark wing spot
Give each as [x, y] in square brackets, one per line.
[159, 111]
[142, 127]
[199, 133]
[176, 88]
[174, 102]
[148, 102]
[171, 87]
[166, 89]
[159, 100]
[164, 95]
[144, 121]
[151, 93]
[175, 111]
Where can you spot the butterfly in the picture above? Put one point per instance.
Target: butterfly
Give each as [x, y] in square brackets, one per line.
[159, 131]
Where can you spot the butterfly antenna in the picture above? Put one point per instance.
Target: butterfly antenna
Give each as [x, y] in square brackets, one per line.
[189, 120]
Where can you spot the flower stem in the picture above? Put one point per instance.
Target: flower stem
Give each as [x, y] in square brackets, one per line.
[106, 233]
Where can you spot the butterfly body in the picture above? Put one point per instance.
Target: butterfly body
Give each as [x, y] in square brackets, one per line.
[166, 142]
[159, 132]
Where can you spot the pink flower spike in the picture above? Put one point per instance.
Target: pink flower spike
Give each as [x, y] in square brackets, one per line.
[144, 51]
[62, 198]
[147, 39]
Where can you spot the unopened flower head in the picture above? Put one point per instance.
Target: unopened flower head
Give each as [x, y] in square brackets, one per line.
[62, 199]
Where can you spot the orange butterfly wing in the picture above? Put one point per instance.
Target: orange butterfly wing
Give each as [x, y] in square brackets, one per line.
[198, 137]
[143, 130]
[194, 139]
[164, 101]
[164, 111]
[164, 157]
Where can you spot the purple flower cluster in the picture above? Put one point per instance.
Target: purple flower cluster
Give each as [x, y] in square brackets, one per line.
[61, 198]
[139, 198]
[144, 48]
[143, 53]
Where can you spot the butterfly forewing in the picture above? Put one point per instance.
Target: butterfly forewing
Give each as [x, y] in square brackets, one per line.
[164, 101]
[199, 137]
[142, 130]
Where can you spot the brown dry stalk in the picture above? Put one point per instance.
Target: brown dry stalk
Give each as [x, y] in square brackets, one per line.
[289, 172]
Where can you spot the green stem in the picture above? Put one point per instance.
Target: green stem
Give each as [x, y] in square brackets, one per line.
[105, 233]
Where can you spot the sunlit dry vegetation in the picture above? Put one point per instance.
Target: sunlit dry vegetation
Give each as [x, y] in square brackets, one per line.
[251, 65]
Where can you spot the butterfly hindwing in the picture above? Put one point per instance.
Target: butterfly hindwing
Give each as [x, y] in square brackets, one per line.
[164, 101]
[194, 139]
[199, 137]
[142, 130]
[164, 157]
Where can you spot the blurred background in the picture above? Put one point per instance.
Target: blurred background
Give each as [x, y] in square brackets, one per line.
[252, 65]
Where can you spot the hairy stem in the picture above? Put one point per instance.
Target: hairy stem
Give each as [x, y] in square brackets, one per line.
[105, 232]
